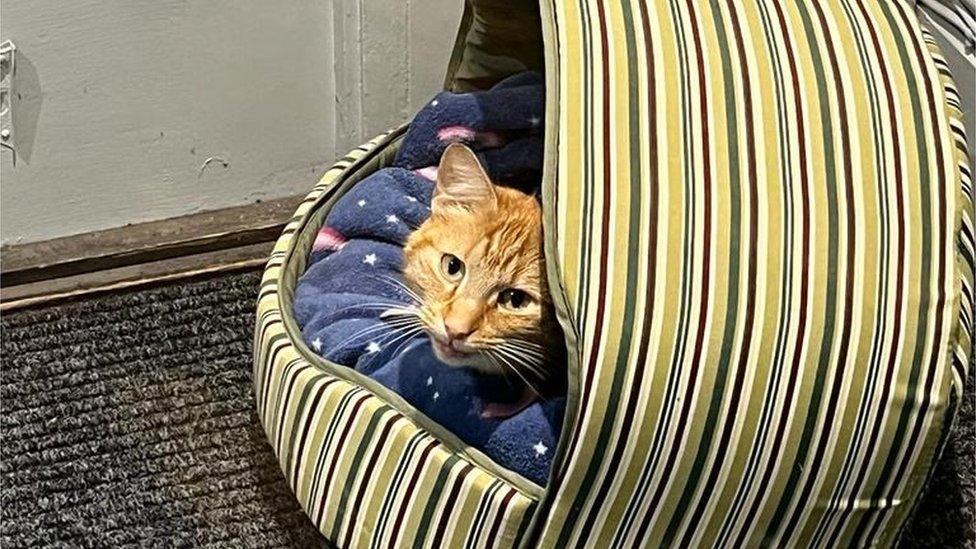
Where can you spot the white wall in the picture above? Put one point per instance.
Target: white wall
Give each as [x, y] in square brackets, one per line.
[121, 102]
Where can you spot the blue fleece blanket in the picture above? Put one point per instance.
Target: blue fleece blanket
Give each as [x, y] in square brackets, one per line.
[354, 273]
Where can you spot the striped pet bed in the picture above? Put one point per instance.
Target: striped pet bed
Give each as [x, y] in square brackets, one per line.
[759, 236]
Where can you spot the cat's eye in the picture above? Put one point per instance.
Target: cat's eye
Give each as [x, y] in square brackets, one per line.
[452, 267]
[513, 298]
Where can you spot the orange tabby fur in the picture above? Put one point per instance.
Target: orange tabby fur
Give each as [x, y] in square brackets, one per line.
[497, 233]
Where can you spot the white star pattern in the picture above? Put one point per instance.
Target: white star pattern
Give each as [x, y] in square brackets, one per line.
[373, 347]
[411, 199]
[317, 344]
[433, 103]
[430, 381]
[534, 121]
[361, 203]
[392, 218]
[540, 448]
[370, 258]
[436, 395]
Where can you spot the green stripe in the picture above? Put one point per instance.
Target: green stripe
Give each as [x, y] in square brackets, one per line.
[478, 524]
[879, 338]
[582, 310]
[634, 226]
[387, 509]
[924, 297]
[675, 370]
[334, 426]
[290, 449]
[433, 501]
[779, 363]
[357, 461]
[830, 301]
[732, 301]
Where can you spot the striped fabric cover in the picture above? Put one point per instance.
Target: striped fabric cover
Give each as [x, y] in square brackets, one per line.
[760, 226]
[366, 475]
[764, 225]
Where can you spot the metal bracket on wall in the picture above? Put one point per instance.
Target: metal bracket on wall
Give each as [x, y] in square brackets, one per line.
[8, 63]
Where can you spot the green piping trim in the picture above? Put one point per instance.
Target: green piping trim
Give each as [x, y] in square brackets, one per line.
[557, 290]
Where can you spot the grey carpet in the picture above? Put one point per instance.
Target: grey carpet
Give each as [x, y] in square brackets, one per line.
[945, 516]
[128, 420]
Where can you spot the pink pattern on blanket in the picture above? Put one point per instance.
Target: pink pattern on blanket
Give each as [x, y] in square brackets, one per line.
[465, 134]
[429, 173]
[328, 239]
[455, 133]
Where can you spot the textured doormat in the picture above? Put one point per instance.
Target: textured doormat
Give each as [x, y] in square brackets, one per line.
[129, 419]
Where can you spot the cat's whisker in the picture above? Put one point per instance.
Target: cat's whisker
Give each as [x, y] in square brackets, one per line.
[395, 332]
[533, 366]
[406, 341]
[387, 310]
[529, 346]
[524, 343]
[389, 281]
[405, 335]
[521, 344]
[360, 334]
[495, 362]
[372, 307]
[537, 355]
[532, 354]
[501, 368]
[522, 362]
[528, 354]
[398, 285]
[375, 306]
[376, 328]
[398, 313]
[424, 317]
[529, 371]
[388, 306]
[393, 314]
[517, 372]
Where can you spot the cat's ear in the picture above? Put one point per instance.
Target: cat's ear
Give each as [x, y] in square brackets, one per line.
[461, 181]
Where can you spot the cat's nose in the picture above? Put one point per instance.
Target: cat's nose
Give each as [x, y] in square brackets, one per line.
[461, 318]
[457, 330]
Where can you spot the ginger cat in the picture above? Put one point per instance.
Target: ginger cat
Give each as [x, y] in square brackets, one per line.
[477, 266]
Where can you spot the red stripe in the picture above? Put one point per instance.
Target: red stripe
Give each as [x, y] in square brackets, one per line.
[300, 449]
[374, 456]
[804, 278]
[941, 299]
[706, 274]
[749, 321]
[637, 384]
[409, 491]
[604, 253]
[353, 415]
[445, 515]
[497, 523]
[900, 264]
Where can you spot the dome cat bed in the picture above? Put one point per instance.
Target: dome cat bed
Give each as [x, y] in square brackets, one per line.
[353, 304]
[759, 237]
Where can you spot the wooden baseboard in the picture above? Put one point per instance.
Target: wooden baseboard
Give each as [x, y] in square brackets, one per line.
[141, 254]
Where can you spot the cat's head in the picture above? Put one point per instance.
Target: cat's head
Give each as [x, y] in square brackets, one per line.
[478, 269]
